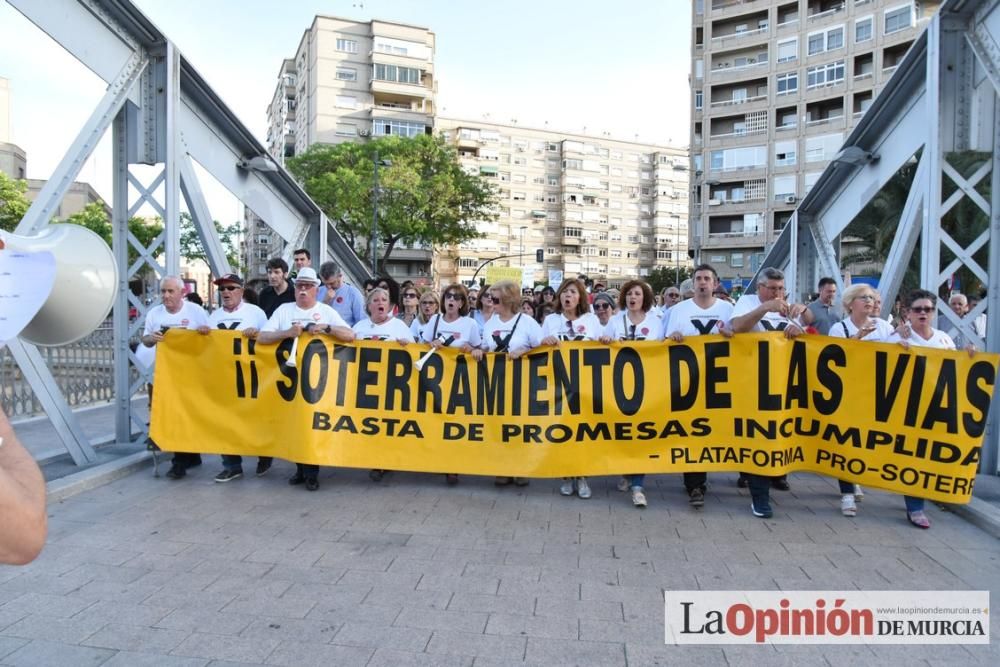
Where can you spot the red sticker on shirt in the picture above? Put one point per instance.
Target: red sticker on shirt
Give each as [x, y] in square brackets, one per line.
[496, 332]
[184, 322]
[340, 299]
[580, 328]
[316, 316]
[645, 330]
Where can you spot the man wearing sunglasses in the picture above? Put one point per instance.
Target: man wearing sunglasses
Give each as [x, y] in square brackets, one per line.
[236, 315]
[344, 298]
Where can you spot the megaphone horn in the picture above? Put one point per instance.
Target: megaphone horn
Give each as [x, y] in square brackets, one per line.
[83, 292]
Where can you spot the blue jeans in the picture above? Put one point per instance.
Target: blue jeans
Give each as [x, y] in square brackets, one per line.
[913, 504]
[636, 480]
[233, 462]
[846, 487]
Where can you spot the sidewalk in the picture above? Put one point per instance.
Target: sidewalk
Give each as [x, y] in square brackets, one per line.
[409, 571]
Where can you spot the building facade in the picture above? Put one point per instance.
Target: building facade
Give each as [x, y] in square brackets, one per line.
[610, 209]
[13, 160]
[350, 80]
[777, 85]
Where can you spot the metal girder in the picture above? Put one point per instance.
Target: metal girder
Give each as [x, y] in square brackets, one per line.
[203, 220]
[48, 200]
[905, 242]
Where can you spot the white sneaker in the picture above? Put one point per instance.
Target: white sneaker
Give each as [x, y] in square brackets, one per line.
[623, 484]
[638, 497]
[847, 506]
[582, 488]
[567, 486]
[859, 493]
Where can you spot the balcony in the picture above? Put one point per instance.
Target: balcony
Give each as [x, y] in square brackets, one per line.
[738, 102]
[722, 8]
[823, 10]
[740, 37]
[723, 72]
[405, 90]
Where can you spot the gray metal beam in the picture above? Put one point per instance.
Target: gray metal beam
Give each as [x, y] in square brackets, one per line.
[203, 222]
[905, 242]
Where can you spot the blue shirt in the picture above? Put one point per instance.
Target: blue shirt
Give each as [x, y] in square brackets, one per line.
[347, 301]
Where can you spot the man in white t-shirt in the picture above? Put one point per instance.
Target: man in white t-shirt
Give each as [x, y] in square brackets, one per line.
[291, 320]
[766, 310]
[175, 312]
[236, 315]
[701, 315]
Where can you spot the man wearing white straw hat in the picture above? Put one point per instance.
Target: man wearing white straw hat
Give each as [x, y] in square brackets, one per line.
[291, 320]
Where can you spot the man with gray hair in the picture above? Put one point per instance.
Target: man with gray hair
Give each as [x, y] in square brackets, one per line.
[344, 298]
[687, 289]
[175, 312]
[766, 310]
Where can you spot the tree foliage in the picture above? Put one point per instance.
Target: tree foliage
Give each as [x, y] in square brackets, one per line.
[229, 235]
[424, 194]
[95, 218]
[667, 276]
[13, 202]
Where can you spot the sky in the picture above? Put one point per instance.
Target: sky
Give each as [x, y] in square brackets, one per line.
[581, 66]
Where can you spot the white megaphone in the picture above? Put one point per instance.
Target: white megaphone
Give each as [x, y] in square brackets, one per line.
[84, 288]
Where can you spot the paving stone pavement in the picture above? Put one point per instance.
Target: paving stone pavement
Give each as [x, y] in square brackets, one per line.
[410, 571]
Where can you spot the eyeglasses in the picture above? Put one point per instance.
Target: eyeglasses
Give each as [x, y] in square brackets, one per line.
[229, 288]
[602, 306]
[304, 286]
[865, 297]
[411, 295]
[454, 296]
[494, 299]
[922, 309]
[382, 286]
[673, 295]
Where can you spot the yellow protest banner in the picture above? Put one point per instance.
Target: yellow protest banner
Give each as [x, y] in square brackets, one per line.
[495, 274]
[909, 421]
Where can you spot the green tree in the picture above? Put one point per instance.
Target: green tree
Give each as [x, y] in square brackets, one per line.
[95, 218]
[13, 202]
[667, 276]
[424, 195]
[229, 235]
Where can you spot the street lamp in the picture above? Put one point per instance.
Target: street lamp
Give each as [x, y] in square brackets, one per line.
[375, 191]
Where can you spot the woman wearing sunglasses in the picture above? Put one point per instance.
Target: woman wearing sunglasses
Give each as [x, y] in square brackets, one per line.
[862, 323]
[921, 307]
[409, 302]
[430, 305]
[452, 328]
[604, 307]
[510, 332]
[484, 308]
[634, 322]
[572, 321]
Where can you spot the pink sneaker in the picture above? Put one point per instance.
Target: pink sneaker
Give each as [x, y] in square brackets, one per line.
[919, 519]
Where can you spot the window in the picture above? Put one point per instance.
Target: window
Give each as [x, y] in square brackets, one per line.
[863, 29]
[825, 75]
[810, 180]
[747, 157]
[823, 147]
[347, 45]
[345, 102]
[897, 19]
[408, 75]
[575, 232]
[784, 153]
[736, 260]
[346, 130]
[347, 74]
[787, 83]
[698, 97]
[468, 263]
[826, 40]
[788, 50]
[784, 187]
[401, 128]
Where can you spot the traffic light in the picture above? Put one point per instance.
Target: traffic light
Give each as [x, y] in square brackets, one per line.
[540, 255]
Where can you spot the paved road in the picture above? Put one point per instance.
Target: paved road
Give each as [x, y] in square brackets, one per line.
[148, 571]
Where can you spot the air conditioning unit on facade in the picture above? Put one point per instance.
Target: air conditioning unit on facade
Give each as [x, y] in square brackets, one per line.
[790, 199]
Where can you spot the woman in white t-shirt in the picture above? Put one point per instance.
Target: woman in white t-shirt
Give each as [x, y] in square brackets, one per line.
[508, 331]
[634, 321]
[384, 326]
[430, 305]
[452, 328]
[921, 306]
[572, 321]
[861, 323]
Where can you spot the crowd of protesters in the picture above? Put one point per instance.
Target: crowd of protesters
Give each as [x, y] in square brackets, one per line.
[507, 319]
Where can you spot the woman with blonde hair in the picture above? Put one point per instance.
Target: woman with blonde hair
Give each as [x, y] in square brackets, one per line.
[572, 321]
[507, 331]
[430, 305]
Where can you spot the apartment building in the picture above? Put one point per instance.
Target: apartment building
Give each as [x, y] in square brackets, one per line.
[348, 81]
[608, 208]
[777, 86]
